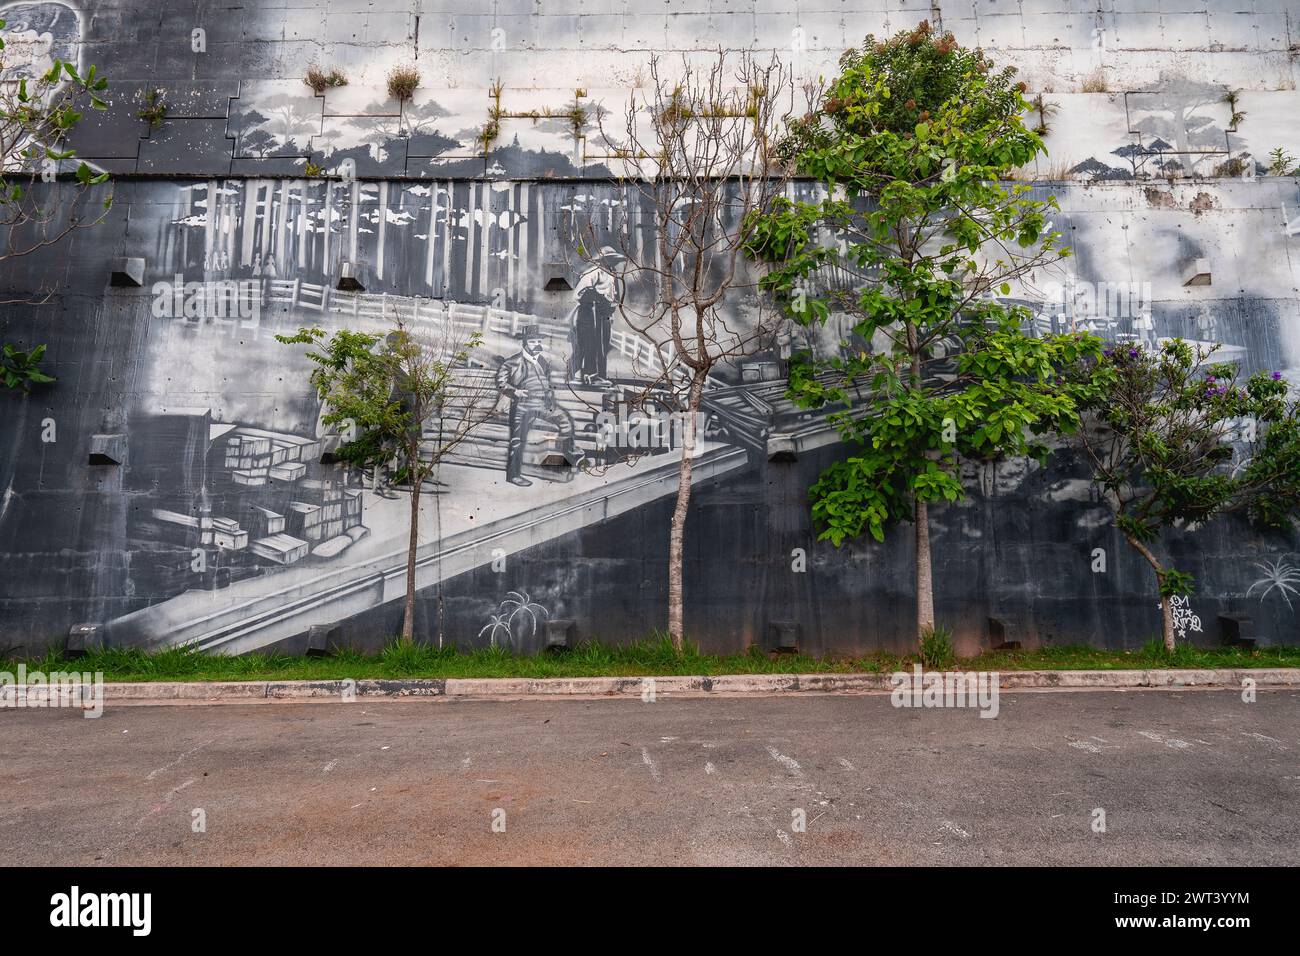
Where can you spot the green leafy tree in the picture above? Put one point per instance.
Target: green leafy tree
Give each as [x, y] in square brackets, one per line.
[912, 142]
[1174, 438]
[37, 114]
[399, 403]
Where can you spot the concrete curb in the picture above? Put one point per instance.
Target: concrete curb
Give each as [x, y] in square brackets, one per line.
[727, 685]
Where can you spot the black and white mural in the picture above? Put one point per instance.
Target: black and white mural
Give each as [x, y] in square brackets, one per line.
[242, 512]
[224, 524]
[241, 535]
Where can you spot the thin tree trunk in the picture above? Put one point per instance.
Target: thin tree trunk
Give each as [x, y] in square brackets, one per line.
[924, 566]
[677, 535]
[1167, 619]
[924, 573]
[408, 620]
[437, 536]
[1166, 603]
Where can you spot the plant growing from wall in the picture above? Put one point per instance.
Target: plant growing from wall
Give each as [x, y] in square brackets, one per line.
[1282, 163]
[910, 142]
[37, 115]
[1045, 109]
[577, 113]
[1234, 168]
[694, 177]
[320, 81]
[403, 82]
[21, 370]
[1175, 439]
[399, 402]
[1231, 98]
[155, 108]
[492, 128]
[490, 131]
[1094, 82]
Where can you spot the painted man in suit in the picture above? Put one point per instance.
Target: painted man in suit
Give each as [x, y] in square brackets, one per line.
[526, 378]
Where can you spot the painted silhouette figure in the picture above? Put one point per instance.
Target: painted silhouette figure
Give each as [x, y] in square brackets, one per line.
[526, 378]
[592, 320]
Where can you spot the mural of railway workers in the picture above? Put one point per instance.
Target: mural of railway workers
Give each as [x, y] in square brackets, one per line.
[242, 534]
[525, 378]
[592, 320]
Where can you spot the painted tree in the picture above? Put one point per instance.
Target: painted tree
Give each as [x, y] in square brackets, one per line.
[1177, 111]
[911, 236]
[259, 143]
[285, 116]
[400, 403]
[697, 165]
[1176, 439]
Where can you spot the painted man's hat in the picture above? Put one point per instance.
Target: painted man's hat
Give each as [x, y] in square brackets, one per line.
[531, 332]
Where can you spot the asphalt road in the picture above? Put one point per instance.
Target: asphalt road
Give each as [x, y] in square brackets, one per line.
[1192, 777]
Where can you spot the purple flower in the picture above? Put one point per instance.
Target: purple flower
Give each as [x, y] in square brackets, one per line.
[1133, 353]
[1277, 376]
[1107, 353]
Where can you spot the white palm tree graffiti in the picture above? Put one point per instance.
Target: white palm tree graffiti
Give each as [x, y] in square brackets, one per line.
[1279, 575]
[496, 623]
[520, 606]
[517, 606]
